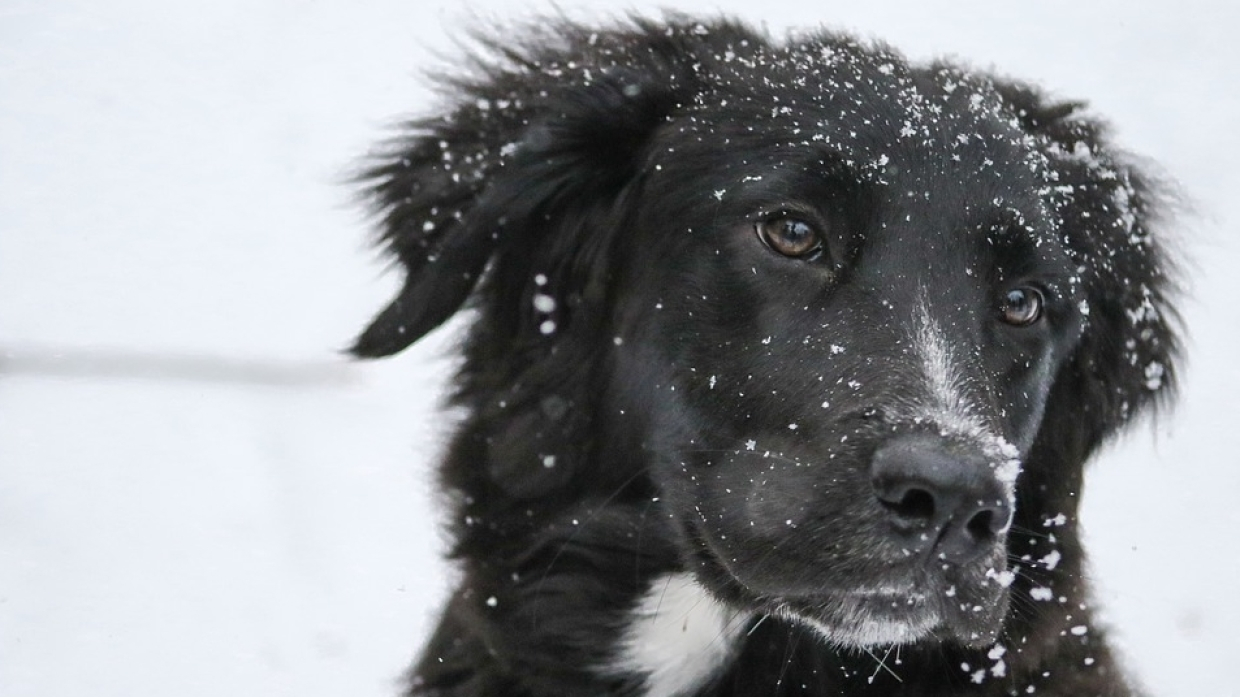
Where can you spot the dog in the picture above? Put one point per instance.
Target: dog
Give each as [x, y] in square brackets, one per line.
[784, 358]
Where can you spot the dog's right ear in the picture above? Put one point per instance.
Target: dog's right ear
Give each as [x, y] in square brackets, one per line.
[1113, 217]
[547, 130]
[422, 188]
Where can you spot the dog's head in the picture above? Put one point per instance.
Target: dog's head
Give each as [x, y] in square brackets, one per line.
[854, 325]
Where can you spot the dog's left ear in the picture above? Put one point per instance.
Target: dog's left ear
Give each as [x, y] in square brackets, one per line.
[1111, 214]
[527, 151]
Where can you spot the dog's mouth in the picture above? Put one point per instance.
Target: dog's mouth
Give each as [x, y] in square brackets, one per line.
[943, 604]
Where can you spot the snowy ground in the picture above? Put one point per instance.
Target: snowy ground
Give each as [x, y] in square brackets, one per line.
[197, 497]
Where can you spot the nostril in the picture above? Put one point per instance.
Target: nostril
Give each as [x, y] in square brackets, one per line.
[913, 506]
[981, 525]
[988, 522]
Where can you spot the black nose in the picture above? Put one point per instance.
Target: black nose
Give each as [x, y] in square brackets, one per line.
[942, 499]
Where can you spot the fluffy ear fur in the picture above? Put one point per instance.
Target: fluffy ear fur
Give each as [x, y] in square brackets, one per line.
[1107, 209]
[534, 148]
[514, 198]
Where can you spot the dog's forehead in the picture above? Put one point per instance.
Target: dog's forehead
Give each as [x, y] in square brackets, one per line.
[879, 114]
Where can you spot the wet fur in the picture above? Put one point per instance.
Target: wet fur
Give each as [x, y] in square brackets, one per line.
[605, 444]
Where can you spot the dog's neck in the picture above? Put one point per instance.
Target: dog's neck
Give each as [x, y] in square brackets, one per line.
[678, 637]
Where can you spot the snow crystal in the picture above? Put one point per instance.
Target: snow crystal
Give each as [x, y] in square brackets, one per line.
[1003, 578]
[1079, 630]
[1007, 471]
[1043, 594]
[547, 327]
[1051, 560]
[1154, 375]
[492, 601]
[544, 303]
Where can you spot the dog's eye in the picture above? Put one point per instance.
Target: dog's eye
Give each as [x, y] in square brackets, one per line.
[789, 236]
[1022, 306]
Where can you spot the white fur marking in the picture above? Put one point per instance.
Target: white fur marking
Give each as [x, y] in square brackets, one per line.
[940, 369]
[678, 638]
[950, 408]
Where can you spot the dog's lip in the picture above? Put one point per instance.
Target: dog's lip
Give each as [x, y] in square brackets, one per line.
[883, 599]
[909, 595]
[866, 618]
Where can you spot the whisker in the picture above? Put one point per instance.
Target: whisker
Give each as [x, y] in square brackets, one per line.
[1021, 530]
[757, 624]
[789, 652]
[882, 664]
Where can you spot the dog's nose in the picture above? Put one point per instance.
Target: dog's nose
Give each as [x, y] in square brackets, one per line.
[943, 500]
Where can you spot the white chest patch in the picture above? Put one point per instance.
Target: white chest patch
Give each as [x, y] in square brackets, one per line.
[678, 637]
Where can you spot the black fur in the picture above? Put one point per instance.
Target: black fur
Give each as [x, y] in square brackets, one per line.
[648, 388]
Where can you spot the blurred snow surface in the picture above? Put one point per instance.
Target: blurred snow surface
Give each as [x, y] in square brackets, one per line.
[169, 186]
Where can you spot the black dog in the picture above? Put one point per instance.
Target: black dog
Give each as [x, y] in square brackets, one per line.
[785, 362]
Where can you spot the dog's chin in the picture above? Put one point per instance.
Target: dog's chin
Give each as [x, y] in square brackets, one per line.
[864, 620]
[867, 619]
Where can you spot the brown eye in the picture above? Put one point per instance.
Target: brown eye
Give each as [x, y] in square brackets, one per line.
[1022, 306]
[789, 236]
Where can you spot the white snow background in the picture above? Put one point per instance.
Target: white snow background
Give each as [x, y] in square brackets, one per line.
[198, 496]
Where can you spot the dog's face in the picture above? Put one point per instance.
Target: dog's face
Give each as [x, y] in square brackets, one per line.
[845, 350]
[850, 323]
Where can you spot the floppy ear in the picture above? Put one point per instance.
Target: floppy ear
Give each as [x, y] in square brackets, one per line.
[1110, 213]
[544, 134]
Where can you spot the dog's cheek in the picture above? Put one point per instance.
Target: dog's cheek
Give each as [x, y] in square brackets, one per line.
[771, 519]
[1021, 387]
